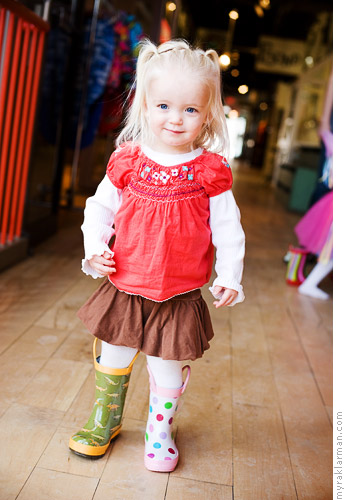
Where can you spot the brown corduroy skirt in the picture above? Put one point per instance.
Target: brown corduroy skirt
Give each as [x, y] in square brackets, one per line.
[179, 328]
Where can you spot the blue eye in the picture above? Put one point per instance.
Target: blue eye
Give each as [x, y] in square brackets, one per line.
[163, 106]
[191, 110]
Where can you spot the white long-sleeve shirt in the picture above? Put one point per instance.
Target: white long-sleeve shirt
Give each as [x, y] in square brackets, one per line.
[227, 233]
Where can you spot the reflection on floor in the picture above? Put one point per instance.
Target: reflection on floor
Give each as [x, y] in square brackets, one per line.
[256, 419]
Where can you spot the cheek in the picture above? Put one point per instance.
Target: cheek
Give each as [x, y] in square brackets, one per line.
[157, 119]
[199, 125]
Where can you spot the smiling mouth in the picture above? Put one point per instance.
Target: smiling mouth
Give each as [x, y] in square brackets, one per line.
[174, 131]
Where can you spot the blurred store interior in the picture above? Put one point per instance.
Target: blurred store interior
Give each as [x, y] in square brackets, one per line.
[276, 60]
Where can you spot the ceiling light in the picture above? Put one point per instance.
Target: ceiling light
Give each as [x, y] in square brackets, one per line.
[243, 89]
[265, 4]
[259, 11]
[233, 14]
[224, 60]
[309, 61]
[235, 57]
[171, 6]
[235, 73]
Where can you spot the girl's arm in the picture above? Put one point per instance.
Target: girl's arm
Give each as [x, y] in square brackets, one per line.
[98, 223]
[229, 241]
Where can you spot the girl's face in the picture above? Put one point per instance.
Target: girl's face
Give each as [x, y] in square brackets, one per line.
[176, 108]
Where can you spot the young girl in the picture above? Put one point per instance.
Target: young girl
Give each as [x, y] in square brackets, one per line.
[167, 200]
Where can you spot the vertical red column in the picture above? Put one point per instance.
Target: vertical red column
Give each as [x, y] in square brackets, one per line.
[15, 152]
[3, 95]
[17, 145]
[22, 135]
[2, 25]
[30, 125]
[22, 36]
[6, 141]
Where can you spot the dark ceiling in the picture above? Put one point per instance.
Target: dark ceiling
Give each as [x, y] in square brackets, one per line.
[284, 19]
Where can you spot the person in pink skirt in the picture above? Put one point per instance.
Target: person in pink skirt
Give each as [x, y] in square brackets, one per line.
[150, 229]
[315, 229]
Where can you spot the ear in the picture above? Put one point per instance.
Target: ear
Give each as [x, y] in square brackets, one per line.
[145, 105]
[208, 119]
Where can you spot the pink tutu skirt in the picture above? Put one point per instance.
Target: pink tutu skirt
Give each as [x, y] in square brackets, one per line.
[315, 230]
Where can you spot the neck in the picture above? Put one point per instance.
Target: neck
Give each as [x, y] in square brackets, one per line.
[168, 159]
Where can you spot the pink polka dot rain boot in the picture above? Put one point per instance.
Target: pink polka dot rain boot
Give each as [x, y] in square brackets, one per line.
[161, 454]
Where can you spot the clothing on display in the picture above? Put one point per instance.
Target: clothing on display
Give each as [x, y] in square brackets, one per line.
[111, 68]
[127, 33]
[53, 75]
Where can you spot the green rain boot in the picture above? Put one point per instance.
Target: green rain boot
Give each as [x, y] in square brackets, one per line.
[104, 424]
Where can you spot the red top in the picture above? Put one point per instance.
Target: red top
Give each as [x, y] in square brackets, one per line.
[163, 244]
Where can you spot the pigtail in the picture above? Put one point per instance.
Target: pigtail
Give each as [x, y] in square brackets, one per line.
[215, 134]
[212, 54]
[135, 124]
[147, 50]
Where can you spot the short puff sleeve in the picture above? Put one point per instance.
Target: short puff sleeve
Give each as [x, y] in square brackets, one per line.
[213, 172]
[122, 164]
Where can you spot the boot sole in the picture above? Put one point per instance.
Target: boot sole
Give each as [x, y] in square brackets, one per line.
[160, 465]
[87, 451]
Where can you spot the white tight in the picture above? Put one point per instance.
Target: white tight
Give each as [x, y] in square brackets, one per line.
[318, 273]
[167, 373]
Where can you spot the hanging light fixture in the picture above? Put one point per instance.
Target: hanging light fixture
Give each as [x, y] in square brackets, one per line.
[171, 6]
[243, 89]
[225, 58]
[259, 10]
[233, 14]
[265, 4]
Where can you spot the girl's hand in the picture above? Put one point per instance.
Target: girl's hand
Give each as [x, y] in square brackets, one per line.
[228, 296]
[104, 264]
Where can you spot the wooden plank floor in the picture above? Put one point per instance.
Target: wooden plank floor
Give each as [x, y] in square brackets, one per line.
[256, 418]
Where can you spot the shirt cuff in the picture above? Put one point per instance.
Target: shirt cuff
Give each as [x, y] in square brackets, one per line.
[85, 264]
[87, 269]
[228, 283]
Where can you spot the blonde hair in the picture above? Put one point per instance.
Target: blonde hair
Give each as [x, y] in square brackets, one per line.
[204, 65]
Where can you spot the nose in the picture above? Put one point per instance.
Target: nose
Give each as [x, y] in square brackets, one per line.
[175, 118]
